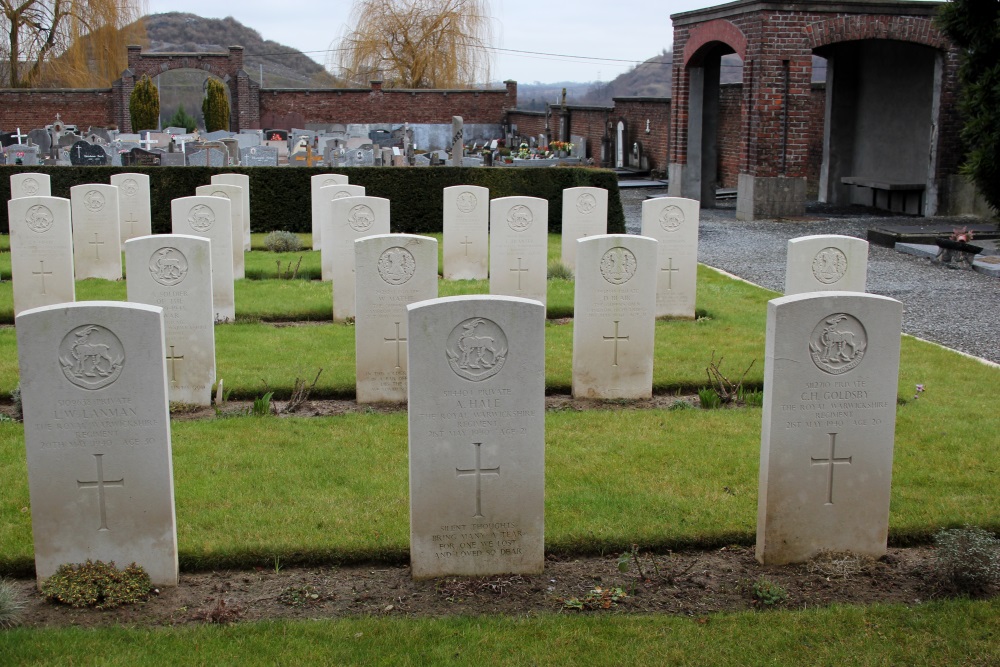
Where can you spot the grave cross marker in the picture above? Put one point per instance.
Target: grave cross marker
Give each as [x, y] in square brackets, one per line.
[478, 471]
[131, 222]
[42, 273]
[147, 143]
[670, 272]
[615, 338]
[519, 271]
[97, 245]
[173, 359]
[831, 461]
[466, 243]
[309, 159]
[397, 340]
[99, 484]
[20, 137]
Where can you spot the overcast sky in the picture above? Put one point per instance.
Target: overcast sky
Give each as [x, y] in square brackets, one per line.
[598, 34]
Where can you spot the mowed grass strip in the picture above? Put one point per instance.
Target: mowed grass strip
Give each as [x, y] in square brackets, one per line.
[957, 632]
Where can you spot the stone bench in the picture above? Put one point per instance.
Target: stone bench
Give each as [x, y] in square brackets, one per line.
[883, 191]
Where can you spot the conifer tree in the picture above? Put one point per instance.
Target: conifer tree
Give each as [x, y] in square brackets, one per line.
[215, 107]
[144, 105]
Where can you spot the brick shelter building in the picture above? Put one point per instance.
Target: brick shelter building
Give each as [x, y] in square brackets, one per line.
[890, 129]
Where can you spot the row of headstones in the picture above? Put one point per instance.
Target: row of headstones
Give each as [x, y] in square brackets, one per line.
[94, 384]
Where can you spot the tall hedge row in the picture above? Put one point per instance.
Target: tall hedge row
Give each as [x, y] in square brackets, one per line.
[280, 196]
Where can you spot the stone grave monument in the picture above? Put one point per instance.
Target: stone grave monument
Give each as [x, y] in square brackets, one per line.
[476, 436]
[174, 272]
[353, 218]
[211, 218]
[831, 373]
[519, 247]
[466, 232]
[27, 184]
[673, 221]
[614, 320]
[234, 194]
[826, 262]
[328, 194]
[97, 247]
[584, 213]
[134, 213]
[242, 181]
[393, 270]
[41, 252]
[97, 435]
[317, 182]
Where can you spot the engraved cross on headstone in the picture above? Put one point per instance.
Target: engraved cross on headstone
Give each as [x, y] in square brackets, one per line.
[42, 273]
[478, 471]
[131, 221]
[615, 338]
[467, 243]
[99, 484]
[173, 359]
[397, 340]
[831, 461]
[669, 268]
[519, 271]
[97, 245]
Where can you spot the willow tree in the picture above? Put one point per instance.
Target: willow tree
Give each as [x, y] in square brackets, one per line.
[72, 43]
[416, 43]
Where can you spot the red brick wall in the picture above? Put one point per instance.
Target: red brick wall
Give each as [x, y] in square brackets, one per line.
[376, 105]
[591, 123]
[32, 109]
[635, 112]
[529, 123]
[728, 138]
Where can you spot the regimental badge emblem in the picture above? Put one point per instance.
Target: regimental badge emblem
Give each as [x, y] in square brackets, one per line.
[220, 193]
[671, 218]
[618, 265]
[838, 343]
[39, 219]
[327, 182]
[361, 218]
[519, 218]
[201, 218]
[476, 349]
[466, 202]
[29, 187]
[168, 266]
[129, 187]
[396, 265]
[340, 194]
[586, 203]
[93, 201]
[829, 265]
[91, 357]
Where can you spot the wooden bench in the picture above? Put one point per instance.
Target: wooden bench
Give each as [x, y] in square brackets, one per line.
[889, 187]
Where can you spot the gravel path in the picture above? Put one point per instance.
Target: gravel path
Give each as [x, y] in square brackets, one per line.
[958, 309]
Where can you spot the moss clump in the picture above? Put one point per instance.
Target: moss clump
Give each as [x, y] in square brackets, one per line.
[97, 584]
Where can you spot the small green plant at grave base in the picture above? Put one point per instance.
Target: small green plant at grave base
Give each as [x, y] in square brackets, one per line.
[709, 399]
[282, 241]
[559, 271]
[968, 559]
[727, 390]
[97, 584]
[11, 605]
[753, 398]
[768, 593]
[220, 613]
[299, 596]
[15, 399]
[262, 406]
[596, 598]
[288, 274]
[681, 405]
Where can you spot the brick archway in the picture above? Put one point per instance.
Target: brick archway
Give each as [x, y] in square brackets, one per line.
[854, 28]
[244, 91]
[705, 34]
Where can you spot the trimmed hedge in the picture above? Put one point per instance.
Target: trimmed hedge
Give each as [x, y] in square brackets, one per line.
[280, 196]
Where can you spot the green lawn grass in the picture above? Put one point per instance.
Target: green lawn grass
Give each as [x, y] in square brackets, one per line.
[940, 633]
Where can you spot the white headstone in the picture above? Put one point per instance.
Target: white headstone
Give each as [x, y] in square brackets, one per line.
[174, 272]
[830, 382]
[27, 184]
[519, 247]
[234, 194]
[328, 194]
[97, 247]
[319, 204]
[41, 252]
[584, 213]
[466, 232]
[97, 434]
[134, 213]
[353, 218]
[826, 262]
[210, 217]
[457, 141]
[477, 436]
[614, 317]
[393, 270]
[243, 181]
[673, 221]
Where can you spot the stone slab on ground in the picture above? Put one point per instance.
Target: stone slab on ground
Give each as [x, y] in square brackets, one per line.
[889, 235]
[987, 264]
